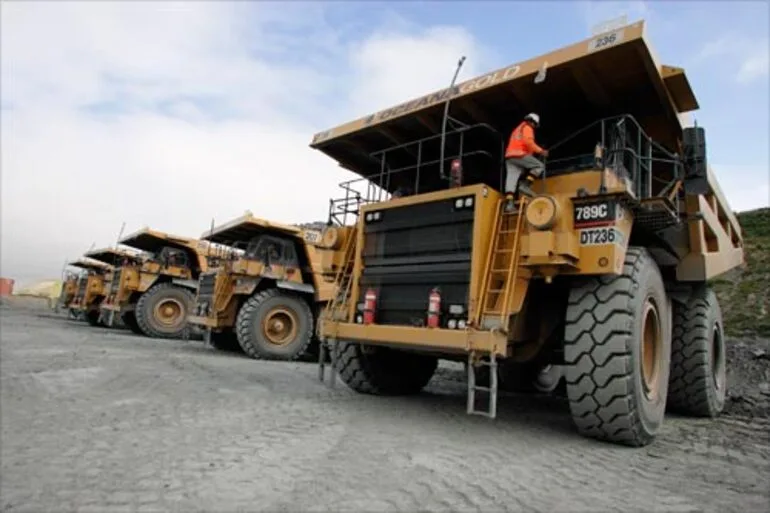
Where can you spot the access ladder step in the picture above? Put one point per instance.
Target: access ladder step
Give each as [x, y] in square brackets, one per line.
[491, 411]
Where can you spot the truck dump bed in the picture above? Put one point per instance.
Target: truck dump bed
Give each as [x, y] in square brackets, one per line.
[114, 257]
[244, 228]
[152, 241]
[611, 74]
[90, 265]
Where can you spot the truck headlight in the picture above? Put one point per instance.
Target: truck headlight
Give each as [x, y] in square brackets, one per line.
[542, 212]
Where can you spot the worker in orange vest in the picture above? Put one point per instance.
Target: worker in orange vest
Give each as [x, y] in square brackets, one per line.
[520, 159]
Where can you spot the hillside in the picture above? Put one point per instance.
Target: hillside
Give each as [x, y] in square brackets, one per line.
[744, 294]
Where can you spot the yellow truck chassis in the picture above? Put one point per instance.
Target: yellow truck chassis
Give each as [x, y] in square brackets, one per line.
[263, 291]
[599, 279]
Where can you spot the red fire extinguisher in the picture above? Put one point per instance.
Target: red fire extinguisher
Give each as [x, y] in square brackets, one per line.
[370, 299]
[456, 172]
[434, 308]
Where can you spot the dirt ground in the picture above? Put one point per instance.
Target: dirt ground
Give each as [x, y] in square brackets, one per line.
[100, 420]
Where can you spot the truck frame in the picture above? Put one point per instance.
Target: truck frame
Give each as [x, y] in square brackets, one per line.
[264, 289]
[155, 294]
[599, 280]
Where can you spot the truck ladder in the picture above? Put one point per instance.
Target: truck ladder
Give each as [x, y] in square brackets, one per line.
[501, 268]
[337, 310]
[473, 361]
[494, 310]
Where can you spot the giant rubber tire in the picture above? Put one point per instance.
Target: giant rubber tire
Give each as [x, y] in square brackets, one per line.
[383, 371]
[145, 305]
[248, 324]
[129, 319]
[603, 351]
[691, 388]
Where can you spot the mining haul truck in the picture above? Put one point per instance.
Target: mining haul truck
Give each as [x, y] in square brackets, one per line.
[68, 290]
[114, 258]
[264, 289]
[90, 289]
[602, 272]
[154, 296]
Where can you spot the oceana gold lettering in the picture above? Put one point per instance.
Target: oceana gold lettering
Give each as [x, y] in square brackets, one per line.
[440, 96]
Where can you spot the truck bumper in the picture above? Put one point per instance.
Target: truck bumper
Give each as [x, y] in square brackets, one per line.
[428, 339]
[206, 322]
[116, 307]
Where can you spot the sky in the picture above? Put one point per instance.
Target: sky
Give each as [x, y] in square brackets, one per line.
[170, 115]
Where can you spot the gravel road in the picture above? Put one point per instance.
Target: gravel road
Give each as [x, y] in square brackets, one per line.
[100, 420]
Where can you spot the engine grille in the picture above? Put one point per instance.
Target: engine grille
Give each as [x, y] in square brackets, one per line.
[412, 249]
[82, 284]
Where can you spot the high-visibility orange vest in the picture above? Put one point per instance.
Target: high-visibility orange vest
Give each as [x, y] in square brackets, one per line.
[522, 141]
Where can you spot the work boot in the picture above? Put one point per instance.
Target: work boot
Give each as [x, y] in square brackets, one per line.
[510, 206]
[524, 187]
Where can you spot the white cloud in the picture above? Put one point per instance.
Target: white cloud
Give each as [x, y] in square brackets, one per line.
[217, 108]
[745, 187]
[393, 66]
[747, 59]
[755, 65]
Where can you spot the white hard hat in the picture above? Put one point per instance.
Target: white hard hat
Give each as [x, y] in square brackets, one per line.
[534, 117]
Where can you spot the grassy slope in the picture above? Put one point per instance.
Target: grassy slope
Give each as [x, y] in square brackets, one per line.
[744, 294]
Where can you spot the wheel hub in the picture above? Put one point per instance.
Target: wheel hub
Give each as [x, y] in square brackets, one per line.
[169, 312]
[280, 326]
[652, 344]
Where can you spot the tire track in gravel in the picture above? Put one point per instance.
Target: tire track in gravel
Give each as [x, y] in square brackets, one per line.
[177, 426]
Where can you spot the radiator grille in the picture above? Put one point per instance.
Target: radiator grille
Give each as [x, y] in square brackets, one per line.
[410, 250]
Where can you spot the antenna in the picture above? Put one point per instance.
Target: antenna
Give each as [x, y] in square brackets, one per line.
[211, 234]
[120, 234]
[446, 115]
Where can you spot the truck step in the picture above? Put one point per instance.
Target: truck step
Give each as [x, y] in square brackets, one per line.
[491, 410]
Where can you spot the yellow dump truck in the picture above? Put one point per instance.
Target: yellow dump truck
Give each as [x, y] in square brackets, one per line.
[264, 289]
[90, 289]
[600, 275]
[155, 294]
[115, 258]
[68, 290]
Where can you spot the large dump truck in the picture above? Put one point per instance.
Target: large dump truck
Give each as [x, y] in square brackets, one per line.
[68, 290]
[90, 289]
[264, 289]
[114, 258]
[155, 296]
[603, 273]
